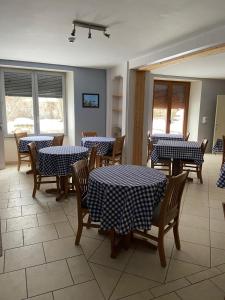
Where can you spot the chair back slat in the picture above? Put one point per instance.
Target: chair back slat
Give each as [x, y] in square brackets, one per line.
[92, 158]
[58, 140]
[33, 156]
[89, 133]
[204, 145]
[18, 136]
[80, 173]
[223, 158]
[187, 136]
[118, 146]
[170, 205]
[150, 147]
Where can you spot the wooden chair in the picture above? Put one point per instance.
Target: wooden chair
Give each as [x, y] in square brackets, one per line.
[58, 140]
[223, 157]
[92, 158]
[162, 164]
[80, 172]
[37, 176]
[187, 136]
[191, 166]
[89, 133]
[117, 153]
[166, 215]
[22, 156]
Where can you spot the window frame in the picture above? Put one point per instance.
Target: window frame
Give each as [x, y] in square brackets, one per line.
[34, 80]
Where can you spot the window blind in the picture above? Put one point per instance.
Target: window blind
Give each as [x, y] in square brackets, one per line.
[50, 86]
[18, 84]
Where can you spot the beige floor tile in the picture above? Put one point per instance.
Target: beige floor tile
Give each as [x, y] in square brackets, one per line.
[102, 257]
[217, 256]
[194, 221]
[51, 217]
[91, 233]
[217, 225]
[12, 239]
[217, 240]
[196, 211]
[107, 278]
[203, 275]
[169, 287]
[145, 295]
[221, 268]
[22, 223]
[61, 248]
[2, 263]
[39, 234]
[13, 212]
[194, 235]
[9, 195]
[33, 209]
[23, 257]
[47, 296]
[215, 204]
[217, 213]
[80, 269]
[203, 290]
[179, 269]
[21, 201]
[89, 246]
[88, 291]
[13, 285]
[193, 253]
[64, 229]
[3, 226]
[219, 281]
[130, 284]
[171, 296]
[3, 204]
[48, 277]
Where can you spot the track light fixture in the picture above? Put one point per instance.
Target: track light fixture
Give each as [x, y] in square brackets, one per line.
[90, 26]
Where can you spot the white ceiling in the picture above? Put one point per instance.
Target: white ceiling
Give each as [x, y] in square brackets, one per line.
[37, 30]
[212, 66]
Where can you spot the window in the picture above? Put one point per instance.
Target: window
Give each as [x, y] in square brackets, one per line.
[170, 106]
[34, 102]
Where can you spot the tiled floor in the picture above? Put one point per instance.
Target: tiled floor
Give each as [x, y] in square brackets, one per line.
[41, 262]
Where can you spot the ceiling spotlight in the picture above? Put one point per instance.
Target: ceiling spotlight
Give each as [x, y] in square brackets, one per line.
[89, 33]
[71, 39]
[106, 34]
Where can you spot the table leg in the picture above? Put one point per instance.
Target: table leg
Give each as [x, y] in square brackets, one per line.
[98, 161]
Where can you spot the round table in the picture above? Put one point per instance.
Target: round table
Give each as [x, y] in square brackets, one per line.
[57, 161]
[124, 197]
[104, 144]
[41, 141]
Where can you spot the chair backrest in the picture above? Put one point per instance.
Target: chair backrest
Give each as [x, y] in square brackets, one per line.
[150, 148]
[18, 136]
[58, 140]
[118, 146]
[89, 133]
[170, 206]
[92, 158]
[33, 156]
[223, 158]
[204, 145]
[187, 136]
[80, 175]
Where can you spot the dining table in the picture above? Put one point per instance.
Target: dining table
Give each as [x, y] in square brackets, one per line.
[166, 136]
[123, 197]
[58, 161]
[41, 141]
[104, 145]
[177, 151]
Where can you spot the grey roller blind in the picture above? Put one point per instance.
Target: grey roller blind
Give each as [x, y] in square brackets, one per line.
[50, 86]
[18, 84]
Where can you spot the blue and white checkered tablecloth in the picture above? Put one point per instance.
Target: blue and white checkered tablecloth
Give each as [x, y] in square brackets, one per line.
[124, 197]
[104, 144]
[183, 150]
[218, 147]
[57, 160]
[41, 141]
[166, 136]
[221, 181]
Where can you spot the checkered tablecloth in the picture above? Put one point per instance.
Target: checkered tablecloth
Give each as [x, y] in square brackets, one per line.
[218, 147]
[221, 181]
[183, 150]
[57, 160]
[124, 197]
[166, 136]
[40, 141]
[104, 144]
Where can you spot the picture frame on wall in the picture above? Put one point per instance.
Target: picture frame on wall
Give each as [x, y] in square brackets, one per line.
[90, 100]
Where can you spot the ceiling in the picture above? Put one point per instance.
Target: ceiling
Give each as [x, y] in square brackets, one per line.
[37, 30]
[212, 66]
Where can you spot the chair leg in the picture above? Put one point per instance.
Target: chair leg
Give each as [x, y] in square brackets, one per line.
[113, 243]
[161, 250]
[176, 236]
[79, 232]
[200, 174]
[89, 222]
[35, 187]
[19, 163]
[57, 184]
[39, 183]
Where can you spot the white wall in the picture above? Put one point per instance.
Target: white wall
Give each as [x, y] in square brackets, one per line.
[194, 109]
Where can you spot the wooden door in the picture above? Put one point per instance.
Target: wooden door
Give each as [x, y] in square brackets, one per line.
[219, 129]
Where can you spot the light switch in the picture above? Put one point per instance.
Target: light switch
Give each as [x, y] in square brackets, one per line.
[204, 120]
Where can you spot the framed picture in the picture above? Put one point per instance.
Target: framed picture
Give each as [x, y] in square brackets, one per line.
[90, 100]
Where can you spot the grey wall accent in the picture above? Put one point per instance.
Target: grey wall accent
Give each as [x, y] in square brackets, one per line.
[210, 89]
[90, 81]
